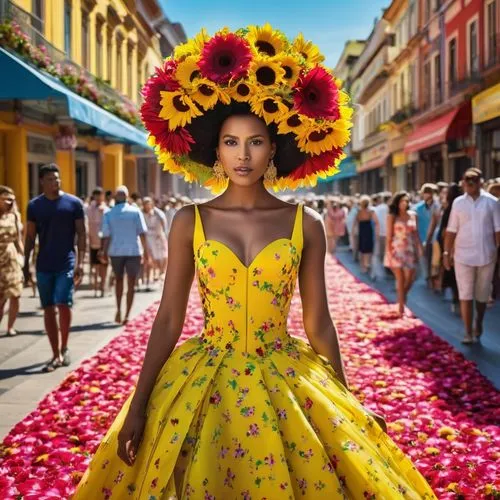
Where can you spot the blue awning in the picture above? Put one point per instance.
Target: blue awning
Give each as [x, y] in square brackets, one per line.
[25, 82]
[347, 170]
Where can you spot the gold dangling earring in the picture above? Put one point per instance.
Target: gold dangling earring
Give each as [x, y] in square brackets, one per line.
[219, 172]
[271, 173]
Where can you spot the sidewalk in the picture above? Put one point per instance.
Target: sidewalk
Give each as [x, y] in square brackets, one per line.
[22, 385]
[435, 312]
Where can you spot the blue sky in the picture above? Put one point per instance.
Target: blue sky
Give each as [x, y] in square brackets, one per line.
[328, 23]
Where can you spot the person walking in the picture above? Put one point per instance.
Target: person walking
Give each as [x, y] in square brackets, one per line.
[11, 255]
[95, 213]
[426, 209]
[448, 275]
[156, 238]
[335, 224]
[381, 211]
[242, 409]
[368, 231]
[403, 246]
[124, 242]
[471, 243]
[57, 218]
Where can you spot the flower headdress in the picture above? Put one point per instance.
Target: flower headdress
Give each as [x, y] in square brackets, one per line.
[285, 84]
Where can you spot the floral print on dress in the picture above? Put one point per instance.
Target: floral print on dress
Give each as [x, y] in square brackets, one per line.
[245, 411]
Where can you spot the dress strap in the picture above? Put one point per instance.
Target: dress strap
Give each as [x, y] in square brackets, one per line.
[297, 234]
[199, 233]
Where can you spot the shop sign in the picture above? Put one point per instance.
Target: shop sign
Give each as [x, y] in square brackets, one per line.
[486, 105]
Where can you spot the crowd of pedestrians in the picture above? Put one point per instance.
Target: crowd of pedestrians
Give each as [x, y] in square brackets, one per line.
[449, 233]
[126, 236]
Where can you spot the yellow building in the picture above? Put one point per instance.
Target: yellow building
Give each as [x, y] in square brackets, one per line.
[105, 49]
[401, 89]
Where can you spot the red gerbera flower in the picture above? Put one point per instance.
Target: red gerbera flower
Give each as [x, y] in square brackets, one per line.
[177, 141]
[316, 163]
[316, 95]
[225, 57]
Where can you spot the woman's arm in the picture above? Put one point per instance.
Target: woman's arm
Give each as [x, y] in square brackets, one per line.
[418, 243]
[377, 225]
[318, 324]
[169, 320]
[390, 232]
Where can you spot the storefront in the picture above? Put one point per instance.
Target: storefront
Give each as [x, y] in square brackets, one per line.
[42, 121]
[486, 119]
[373, 167]
[342, 182]
[443, 145]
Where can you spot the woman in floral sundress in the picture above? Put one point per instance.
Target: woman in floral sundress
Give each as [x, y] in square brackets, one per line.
[403, 248]
[11, 251]
[243, 410]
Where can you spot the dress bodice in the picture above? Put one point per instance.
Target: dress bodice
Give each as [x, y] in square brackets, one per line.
[246, 307]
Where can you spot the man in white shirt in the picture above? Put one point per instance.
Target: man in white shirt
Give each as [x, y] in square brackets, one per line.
[471, 242]
[381, 211]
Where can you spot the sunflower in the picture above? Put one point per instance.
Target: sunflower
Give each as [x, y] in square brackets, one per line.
[188, 71]
[316, 95]
[242, 91]
[293, 122]
[321, 138]
[265, 40]
[307, 50]
[178, 109]
[193, 47]
[225, 57]
[207, 94]
[267, 73]
[271, 108]
[168, 162]
[291, 66]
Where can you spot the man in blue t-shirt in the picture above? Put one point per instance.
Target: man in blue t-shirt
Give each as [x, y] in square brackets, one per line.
[56, 217]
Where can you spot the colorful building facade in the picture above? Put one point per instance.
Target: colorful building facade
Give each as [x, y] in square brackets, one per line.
[427, 94]
[74, 71]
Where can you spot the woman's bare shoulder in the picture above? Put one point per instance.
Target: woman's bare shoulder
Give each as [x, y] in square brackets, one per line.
[184, 219]
[314, 227]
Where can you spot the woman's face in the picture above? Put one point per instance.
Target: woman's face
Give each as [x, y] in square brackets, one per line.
[404, 203]
[244, 149]
[6, 202]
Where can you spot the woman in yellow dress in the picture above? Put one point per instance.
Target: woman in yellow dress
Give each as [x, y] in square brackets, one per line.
[243, 410]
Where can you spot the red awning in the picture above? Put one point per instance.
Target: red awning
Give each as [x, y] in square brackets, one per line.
[375, 163]
[452, 125]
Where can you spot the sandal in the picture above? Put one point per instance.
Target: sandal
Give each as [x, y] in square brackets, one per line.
[66, 361]
[52, 365]
[468, 340]
[11, 333]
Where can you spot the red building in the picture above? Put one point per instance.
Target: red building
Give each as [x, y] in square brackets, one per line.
[451, 62]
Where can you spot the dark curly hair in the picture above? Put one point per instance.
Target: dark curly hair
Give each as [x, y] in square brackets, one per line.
[205, 130]
[394, 205]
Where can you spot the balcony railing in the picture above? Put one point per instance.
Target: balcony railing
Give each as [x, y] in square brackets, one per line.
[403, 114]
[456, 86]
[33, 27]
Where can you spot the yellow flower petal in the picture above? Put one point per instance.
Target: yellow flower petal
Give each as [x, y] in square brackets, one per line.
[266, 41]
[187, 71]
[307, 50]
[178, 109]
[192, 47]
[207, 94]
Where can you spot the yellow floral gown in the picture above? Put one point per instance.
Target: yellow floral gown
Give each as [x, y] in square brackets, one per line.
[245, 411]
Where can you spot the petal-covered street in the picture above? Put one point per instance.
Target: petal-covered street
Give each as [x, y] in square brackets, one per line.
[440, 410]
